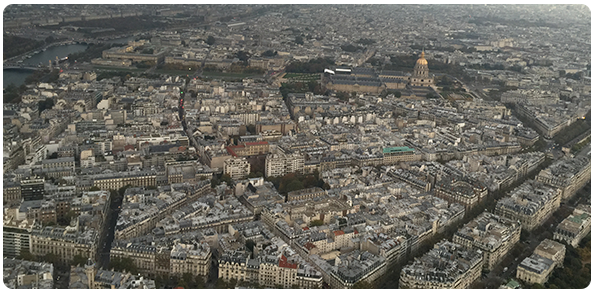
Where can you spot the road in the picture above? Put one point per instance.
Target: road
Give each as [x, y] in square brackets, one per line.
[584, 151]
[107, 233]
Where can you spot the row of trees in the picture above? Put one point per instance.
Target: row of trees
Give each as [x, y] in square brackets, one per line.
[14, 45]
[46, 104]
[269, 53]
[12, 93]
[187, 281]
[93, 51]
[352, 48]
[119, 24]
[293, 181]
[570, 132]
[78, 260]
[180, 67]
[123, 264]
[218, 179]
[312, 66]
[144, 64]
[578, 146]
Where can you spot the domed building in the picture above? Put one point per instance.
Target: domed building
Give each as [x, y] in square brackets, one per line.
[420, 75]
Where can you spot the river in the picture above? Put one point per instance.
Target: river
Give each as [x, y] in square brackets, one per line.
[17, 76]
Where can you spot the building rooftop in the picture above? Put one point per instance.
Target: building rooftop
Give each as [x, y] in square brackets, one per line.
[536, 264]
[445, 263]
[488, 231]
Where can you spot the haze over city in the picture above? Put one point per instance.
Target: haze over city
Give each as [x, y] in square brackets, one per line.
[343, 146]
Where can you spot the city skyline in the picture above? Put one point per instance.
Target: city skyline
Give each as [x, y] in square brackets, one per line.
[296, 146]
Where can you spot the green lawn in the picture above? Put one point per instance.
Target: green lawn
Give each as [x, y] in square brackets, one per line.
[302, 76]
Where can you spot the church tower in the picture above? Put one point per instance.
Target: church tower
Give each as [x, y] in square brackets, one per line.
[90, 272]
[420, 75]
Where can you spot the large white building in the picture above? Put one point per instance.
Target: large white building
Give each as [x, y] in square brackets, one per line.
[237, 168]
[574, 228]
[281, 164]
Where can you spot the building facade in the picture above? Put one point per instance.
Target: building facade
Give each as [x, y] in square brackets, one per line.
[531, 203]
[447, 266]
[493, 235]
[281, 164]
[237, 168]
[420, 73]
[574, 228]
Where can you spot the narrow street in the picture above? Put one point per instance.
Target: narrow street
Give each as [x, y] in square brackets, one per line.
[107, 233]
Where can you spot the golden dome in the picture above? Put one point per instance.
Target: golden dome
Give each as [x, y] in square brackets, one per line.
[421, 60]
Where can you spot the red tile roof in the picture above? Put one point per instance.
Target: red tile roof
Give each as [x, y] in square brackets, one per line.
[231, 152]
[338, 232]
[283, 262]
[309, 245]
[256, 143]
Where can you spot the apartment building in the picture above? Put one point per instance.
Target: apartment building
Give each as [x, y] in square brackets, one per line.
[492, 234]
[65, 243]
[447, 266]
[11, 191]
[237, 168]
[282, 163]
[306, 193]
[568, 174]
[269, 271]
[176, 259]
[460, 191]
[574, 228]
[531, 203]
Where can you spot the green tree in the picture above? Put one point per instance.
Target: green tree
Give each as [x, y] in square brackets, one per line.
[315, 223]
[200, 282]
[46, 104]
[269, 53]
[123, 264]
[51, 258]
[26, 255]
[298, 40]
[232, 283]
[363, 285]
[294, 185]
[78, 260]
[94, 188]
[210, 40]
[242, 55]
[227, 179]
[221, 284]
